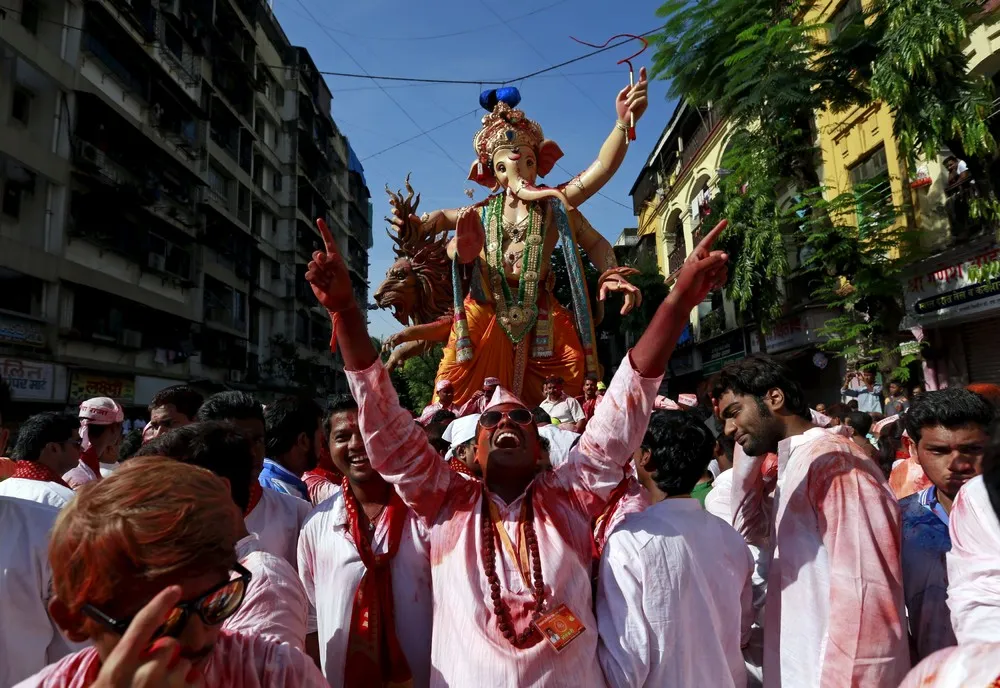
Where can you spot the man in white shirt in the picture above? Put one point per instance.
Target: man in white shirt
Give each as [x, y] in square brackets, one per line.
[560, 406]
[345, 582]
[275, 605]
[48, 445]
[275, 518]
[833, 528]
[674, 596]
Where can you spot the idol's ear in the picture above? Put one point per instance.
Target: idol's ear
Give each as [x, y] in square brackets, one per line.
[482, 174]
[549, 154]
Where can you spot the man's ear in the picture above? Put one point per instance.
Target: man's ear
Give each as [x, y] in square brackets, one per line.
[70, 623]
[303, 442]
[775, 399]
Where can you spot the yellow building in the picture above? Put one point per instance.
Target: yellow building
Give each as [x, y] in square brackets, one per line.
[961, 323]
[669, 197]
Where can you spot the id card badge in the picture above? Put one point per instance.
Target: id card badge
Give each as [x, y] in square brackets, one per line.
[560, 627]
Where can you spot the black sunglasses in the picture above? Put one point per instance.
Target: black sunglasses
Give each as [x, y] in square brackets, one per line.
[491, 419]
[214, 607]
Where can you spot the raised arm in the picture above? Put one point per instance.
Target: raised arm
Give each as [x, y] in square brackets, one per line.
[632, 100]
[397, 447]
[619, 423]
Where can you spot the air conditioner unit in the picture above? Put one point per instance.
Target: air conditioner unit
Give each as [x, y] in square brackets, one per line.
[131, 339]
[158, 261]
[90, 154]
[236, 376]
[171, 7]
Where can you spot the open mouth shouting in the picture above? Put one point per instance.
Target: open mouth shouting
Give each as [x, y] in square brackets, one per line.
[507, 438]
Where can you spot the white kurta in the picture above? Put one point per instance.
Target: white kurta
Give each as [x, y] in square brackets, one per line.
[974, 665]
[834, 614]
[237, 661]
[276, 521]
[468, 648]
[560, 443]
[275, 604]
[674, 599]
[29, 639]
[974, 566]
[331, 570]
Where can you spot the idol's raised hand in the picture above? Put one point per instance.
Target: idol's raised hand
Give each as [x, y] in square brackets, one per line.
[703, 271]
[327, 275]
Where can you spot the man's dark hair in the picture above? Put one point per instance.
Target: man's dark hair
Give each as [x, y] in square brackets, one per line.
[186, 400]
[754, 375]
[681, 447]
[339, 404]
[950, 158]
[4, 399]
[130, 445]
[837, 412]
[951, 408]
[442, 416]
[890, 439]
[728, 445]
[217, 446]
[286, 419]
[861, 422]
[541, 416]
[554, 380]
[230, 406]
[41, 429]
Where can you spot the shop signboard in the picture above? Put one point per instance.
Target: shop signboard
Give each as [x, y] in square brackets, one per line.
[28, 380]
[942, 290]
[719, 351]
[85, 386]
[21, 332]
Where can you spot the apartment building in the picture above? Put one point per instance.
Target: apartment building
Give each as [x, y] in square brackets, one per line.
[161, 165]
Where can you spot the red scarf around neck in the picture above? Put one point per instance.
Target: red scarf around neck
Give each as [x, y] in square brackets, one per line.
[460, 468]
[374, 656]
[256, 492]
[91, 460]
[32, 470]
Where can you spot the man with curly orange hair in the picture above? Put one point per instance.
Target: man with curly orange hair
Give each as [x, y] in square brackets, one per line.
[157, 524]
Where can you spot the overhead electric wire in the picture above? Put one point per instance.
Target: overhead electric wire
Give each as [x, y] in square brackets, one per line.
[376, 77]
[453, 34]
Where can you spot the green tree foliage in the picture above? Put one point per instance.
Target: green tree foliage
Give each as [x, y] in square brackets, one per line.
[417, 376]
[767, 70]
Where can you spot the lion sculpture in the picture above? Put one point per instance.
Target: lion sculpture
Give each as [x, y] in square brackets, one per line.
[417, 286]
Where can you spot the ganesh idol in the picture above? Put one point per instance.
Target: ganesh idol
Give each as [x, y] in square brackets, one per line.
[506, 323]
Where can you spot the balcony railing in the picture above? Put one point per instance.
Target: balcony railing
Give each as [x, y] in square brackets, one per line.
[712, 324]
[675, 259]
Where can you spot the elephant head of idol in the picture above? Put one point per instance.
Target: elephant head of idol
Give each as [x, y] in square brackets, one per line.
[511, 151]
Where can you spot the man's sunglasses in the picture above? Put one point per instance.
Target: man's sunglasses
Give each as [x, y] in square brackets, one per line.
[214, 607]
[491, 419]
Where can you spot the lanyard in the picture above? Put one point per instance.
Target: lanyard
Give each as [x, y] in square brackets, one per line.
[520, 556]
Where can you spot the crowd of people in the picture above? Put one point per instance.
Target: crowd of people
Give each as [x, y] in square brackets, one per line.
[621, 539]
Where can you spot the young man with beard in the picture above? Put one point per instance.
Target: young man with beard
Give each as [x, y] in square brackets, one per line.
[834, 612]
[158, 527]
[950, 430]
[48, 445]
[171, 408]
[363, 559]
[511, 553]
[275, 606]
[674, 596]
[275, 518]
[294, 438]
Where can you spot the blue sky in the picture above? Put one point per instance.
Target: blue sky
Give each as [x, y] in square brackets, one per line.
[472, 40]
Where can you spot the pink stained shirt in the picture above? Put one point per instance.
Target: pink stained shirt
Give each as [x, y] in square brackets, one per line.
[468, 648]
[237, 661]
[634, 500]
[320, 487]
[275, 605]
[80, 475]
[276, 521]
[975, 664]
[834, 612]
[974, 566]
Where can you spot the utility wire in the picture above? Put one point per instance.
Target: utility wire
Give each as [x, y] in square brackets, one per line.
[375, 77]
[463, 32]
[388, 95]
[417, 136]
